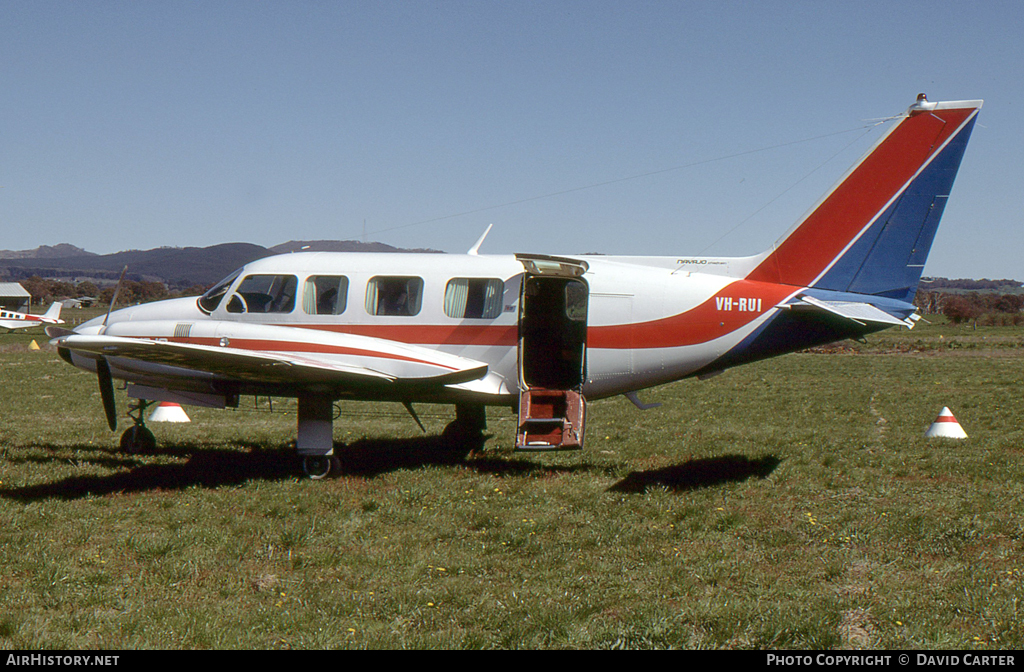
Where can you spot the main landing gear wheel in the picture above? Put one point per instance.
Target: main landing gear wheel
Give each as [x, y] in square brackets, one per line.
[465, 434]
[462, 439]
[138, 439]
[319, 467]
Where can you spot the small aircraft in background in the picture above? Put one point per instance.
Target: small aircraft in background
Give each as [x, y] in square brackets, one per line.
[543, 335]
[11, 320]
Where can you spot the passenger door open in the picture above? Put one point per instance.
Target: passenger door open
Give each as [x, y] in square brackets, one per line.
[552, 353]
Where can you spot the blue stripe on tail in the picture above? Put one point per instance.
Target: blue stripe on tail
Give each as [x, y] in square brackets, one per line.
[887, 260]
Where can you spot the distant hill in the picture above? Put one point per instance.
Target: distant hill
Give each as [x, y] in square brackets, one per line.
[182, 267]
[340, 246]
[177, 267]
[46, 252]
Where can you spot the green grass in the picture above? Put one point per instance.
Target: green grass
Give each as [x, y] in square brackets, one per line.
[788, 504]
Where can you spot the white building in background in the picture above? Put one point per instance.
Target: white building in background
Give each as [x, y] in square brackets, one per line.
[14, 297]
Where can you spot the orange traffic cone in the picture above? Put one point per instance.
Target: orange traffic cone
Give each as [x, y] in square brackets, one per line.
[946, 426]
[169, 412]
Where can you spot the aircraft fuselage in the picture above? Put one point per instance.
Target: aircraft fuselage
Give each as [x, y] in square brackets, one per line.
[646, 324]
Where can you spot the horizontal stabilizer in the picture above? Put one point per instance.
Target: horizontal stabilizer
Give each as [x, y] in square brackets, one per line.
[861, 313]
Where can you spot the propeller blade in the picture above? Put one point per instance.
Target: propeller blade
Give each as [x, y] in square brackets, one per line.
[54, 331]
[107, 392]
[113, 300]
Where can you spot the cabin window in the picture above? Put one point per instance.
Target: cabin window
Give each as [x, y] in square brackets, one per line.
[264, 294]
[474, 298]
[209, 301]
[576, 301]
[394, 295]
[325, 295]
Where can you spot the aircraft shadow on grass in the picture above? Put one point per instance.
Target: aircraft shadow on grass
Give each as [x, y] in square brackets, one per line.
[205, 467]
[366, 458]
[695, 474]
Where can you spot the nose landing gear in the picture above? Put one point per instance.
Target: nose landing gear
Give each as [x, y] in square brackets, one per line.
[138, 438]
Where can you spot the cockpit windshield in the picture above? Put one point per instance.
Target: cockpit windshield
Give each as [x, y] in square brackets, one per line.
[209, 301]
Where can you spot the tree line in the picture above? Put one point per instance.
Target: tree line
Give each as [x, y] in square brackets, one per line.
[48, 290]
[985, 308]
[983, 285]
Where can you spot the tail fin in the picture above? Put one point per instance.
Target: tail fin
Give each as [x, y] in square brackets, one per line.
[872, 232]
[53, 312]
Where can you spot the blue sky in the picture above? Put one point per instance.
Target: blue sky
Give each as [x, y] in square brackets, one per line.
[616, 127]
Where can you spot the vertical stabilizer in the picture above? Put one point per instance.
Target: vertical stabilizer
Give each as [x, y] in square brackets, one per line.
[53, 312]
[872, 232]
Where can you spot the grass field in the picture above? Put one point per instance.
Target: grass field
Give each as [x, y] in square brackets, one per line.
[788, 504]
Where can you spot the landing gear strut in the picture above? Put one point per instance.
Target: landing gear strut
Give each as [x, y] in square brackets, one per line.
[465, 434]
[137, 438]
[315, 440]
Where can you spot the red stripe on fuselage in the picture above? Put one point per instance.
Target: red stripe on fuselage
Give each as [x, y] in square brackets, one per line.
[826, 232]
[731, 308]
[425, 334]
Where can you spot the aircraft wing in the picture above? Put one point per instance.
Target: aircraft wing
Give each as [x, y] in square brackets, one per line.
[338, 361]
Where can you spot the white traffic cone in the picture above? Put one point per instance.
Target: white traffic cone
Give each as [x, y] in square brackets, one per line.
[946, 426]
[168, 412]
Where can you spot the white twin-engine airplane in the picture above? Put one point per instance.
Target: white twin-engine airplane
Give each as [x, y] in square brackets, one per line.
[538, 333]
[11, 320]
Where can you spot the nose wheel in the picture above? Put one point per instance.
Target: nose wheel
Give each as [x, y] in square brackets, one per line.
[138, 438]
